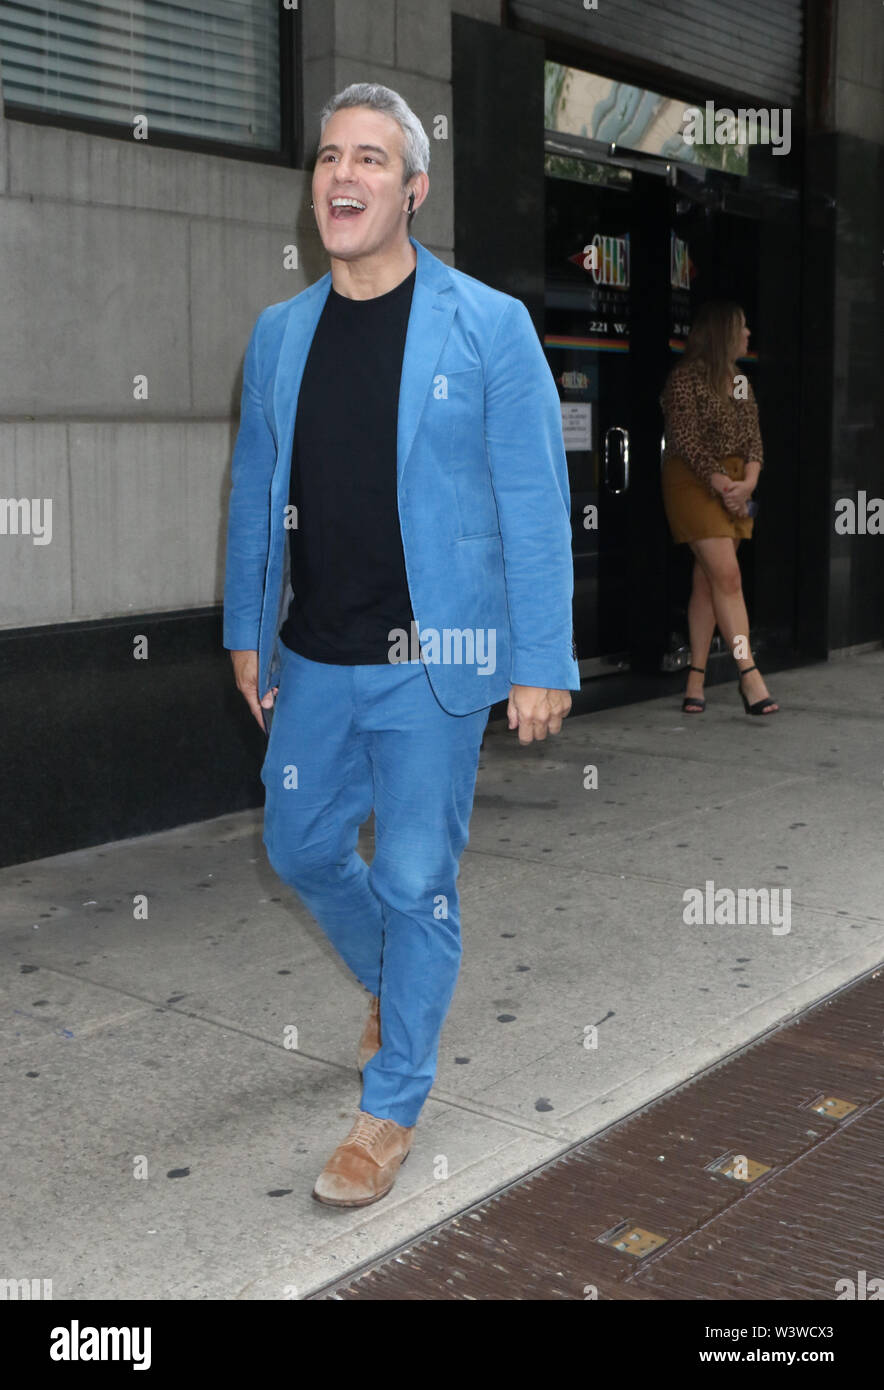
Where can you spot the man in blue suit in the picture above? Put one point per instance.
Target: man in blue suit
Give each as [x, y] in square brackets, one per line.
[398, 559]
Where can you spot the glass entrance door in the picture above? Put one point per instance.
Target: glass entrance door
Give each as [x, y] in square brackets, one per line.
[628, 257]
[587, 338]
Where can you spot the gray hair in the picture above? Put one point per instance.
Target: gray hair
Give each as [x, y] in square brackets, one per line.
[416, 149]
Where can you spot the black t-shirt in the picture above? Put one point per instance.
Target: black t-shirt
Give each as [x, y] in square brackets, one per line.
[348, 568]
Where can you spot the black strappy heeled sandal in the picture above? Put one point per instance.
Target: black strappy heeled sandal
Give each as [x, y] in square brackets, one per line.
[760, 706]
[693, 704]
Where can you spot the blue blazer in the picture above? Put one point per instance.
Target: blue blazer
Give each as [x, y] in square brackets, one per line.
[482, 486]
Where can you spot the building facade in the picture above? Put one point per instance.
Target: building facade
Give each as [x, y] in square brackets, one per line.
[152, 203]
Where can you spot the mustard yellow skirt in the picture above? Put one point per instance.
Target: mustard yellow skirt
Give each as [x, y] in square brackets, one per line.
[692, 514]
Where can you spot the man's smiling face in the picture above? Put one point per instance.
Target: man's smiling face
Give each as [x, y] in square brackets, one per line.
[358, 193]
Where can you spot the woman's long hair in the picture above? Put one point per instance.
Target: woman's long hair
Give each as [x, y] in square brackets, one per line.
[712, 341]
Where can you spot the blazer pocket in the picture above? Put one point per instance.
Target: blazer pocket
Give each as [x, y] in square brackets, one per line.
[464, 376]
[464, 395]
[462, 411]
[455, 407]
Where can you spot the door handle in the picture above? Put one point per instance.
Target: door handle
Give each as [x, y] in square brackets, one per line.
[624, 458]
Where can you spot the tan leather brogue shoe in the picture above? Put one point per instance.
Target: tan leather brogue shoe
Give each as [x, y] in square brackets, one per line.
[363, 1169]
[370, 1041]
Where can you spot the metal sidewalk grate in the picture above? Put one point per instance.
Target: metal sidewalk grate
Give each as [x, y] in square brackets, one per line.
[761, 1178]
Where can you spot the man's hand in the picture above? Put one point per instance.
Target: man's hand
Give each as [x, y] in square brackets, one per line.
[535, 712]
[245, 669]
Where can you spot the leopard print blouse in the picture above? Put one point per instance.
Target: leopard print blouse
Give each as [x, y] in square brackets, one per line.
[701, 428]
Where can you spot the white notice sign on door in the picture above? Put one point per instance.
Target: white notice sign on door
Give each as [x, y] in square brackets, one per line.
[577, 424]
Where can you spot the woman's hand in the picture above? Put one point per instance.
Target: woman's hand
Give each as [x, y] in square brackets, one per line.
[735, 495]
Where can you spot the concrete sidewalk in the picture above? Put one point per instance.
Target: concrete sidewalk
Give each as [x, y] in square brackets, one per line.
[163, 1043]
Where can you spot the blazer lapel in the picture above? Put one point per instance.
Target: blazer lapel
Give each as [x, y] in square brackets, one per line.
[296, 339]
[433, 307]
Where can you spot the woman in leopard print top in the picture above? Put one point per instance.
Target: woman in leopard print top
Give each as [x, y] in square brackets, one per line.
[711, 466]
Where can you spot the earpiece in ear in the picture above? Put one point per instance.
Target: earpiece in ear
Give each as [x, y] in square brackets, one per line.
[411, 202]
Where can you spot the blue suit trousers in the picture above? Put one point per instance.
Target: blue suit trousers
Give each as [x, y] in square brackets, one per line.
[345, 740]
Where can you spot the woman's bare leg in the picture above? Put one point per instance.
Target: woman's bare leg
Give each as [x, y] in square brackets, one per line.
[701, 625]
[718, 557]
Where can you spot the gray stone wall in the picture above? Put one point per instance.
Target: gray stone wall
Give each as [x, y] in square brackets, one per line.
[859, 67]
[856, 576]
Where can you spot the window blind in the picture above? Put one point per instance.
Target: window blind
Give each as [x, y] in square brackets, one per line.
[203, 68]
